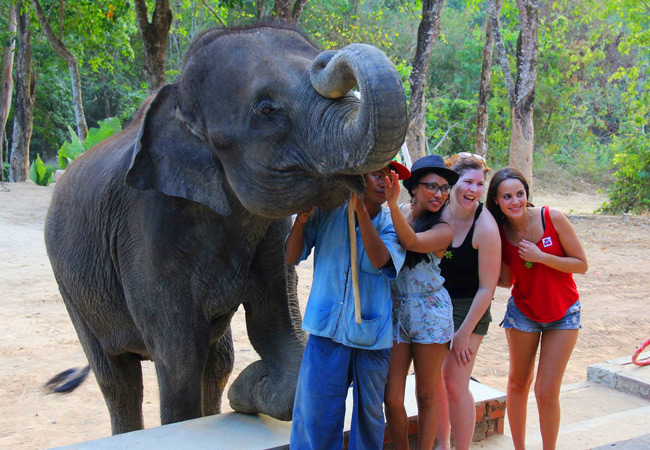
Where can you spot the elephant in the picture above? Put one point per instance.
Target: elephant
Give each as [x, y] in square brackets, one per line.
[157, 235]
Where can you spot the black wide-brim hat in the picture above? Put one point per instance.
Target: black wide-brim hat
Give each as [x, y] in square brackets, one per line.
[429, 163]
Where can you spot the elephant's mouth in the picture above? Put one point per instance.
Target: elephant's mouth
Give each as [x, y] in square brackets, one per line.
[355, 183]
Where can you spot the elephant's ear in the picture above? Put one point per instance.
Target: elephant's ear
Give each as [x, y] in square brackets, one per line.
[169, 158]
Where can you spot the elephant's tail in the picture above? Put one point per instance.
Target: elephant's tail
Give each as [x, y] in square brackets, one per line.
[67, 381]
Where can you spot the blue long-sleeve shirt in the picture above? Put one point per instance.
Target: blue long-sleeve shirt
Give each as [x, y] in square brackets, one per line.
[330, 309]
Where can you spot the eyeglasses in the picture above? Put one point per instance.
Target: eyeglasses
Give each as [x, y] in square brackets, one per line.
[466, 155]
[435, 187]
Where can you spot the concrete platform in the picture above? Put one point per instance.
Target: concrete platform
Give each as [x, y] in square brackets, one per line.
[611, 412]
[622, 375]
[640, 443]
[242, 431]
[593, 416]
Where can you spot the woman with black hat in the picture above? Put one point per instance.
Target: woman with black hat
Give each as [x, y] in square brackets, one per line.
[422, 312]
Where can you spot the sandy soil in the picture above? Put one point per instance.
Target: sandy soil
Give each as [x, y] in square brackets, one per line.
[38, 339]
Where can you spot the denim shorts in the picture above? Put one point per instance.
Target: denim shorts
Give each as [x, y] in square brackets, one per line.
[514, 318]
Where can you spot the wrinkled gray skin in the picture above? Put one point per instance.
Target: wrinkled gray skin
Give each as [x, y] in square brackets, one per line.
[158, 235]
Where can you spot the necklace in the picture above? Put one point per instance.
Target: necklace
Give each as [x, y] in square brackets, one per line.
[527, 235]
[518, 235]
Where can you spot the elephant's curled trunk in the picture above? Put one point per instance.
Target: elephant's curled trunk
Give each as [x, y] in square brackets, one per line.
[379, 125]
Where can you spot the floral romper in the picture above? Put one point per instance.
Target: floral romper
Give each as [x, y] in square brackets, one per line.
[422, 309]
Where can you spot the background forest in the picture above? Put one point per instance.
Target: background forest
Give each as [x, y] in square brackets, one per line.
[591, 101]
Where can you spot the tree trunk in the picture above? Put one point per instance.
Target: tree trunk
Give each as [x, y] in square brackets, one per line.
[5, 149]
[24, 100]
[521, 112]
[428, 32]
[522, 140]
[107, 104]
[154, 38]
[482, 111]
[288, 12]
[260, 8]
[7, 87]
[73, 67]
[297, 9]
[522, 93]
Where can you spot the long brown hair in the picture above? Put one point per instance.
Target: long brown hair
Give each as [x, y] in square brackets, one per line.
[499, 177]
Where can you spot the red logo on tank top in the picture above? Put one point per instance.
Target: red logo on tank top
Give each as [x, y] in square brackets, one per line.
[547, 242]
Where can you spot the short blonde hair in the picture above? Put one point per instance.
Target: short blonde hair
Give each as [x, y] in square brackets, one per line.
[463, 161]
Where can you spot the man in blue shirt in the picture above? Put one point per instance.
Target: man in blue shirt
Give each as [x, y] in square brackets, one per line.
[341, 352]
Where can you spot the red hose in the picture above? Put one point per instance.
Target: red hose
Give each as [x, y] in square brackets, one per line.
[643, 362]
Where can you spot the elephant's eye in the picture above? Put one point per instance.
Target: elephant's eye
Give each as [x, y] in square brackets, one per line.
[266, 108]
[268, 115]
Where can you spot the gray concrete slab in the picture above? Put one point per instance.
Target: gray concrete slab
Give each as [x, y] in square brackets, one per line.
[622, 375]
[640, 443]
[593, 415]
[221, 432]
[239, 431]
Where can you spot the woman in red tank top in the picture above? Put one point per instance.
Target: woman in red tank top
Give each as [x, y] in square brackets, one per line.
[540, 252]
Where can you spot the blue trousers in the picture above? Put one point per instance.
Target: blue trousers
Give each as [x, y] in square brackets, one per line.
[328, 368]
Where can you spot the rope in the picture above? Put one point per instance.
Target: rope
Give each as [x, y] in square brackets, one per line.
[645, 361]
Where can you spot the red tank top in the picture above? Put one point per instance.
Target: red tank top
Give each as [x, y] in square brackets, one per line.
[542, 293]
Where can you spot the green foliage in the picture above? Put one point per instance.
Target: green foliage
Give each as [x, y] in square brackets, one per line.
[53, 107]
[622, 33]
[455, 66]
[102, 34]
[451, 120]
[41, 173]
[592, 97]
[390, 26]
[70, 150]
[106, 129]
[631, 189]
[93, 29]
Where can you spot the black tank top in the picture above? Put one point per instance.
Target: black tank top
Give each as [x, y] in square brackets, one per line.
[459, 266]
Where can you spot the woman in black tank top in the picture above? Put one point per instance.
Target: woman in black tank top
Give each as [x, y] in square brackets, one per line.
[471, 269]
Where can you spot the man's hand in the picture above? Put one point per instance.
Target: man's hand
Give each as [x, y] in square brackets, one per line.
[304, 215]
[357, 203]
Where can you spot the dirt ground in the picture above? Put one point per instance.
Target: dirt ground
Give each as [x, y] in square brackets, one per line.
[38, 339]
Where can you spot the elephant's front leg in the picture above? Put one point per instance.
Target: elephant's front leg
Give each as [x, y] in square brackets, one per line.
[180, 362]
[273, 323]
[218, 368]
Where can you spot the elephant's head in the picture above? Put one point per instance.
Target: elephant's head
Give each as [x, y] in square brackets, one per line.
[261, 114]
